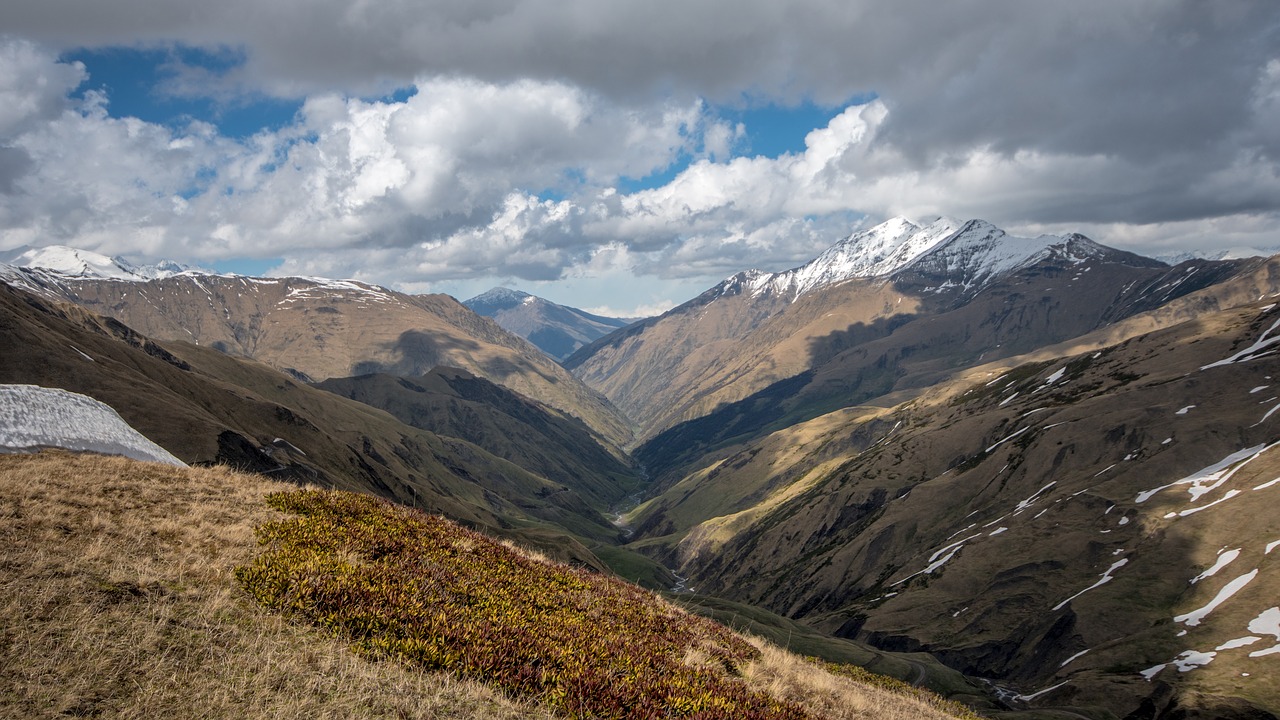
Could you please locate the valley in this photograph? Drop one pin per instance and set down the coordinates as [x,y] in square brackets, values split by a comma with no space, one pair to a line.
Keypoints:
[1034,474]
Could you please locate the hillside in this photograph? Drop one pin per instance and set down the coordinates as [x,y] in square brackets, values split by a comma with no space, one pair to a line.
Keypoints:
[206,407]
[453,402]
[1089,526]
[316,329]
[557,330]
[125,602]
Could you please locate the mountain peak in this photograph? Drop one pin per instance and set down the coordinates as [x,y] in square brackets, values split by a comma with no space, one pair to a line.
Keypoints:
[500,295]
[89,265]
[555,329]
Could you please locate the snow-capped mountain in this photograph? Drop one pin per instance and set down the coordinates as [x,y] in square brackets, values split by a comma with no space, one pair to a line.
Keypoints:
[555,329]
[966,256]
[89,265]
[1237,253]
[980,252]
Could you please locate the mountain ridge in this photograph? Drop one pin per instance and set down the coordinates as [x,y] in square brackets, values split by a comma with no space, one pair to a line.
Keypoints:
[315,328]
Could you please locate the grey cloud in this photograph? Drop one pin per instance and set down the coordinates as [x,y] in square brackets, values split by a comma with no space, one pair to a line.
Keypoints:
[14,163]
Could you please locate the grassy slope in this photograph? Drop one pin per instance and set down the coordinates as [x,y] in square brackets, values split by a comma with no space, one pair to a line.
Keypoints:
[119,600]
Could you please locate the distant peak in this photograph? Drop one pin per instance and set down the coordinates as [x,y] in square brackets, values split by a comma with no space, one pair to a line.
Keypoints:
[499,296]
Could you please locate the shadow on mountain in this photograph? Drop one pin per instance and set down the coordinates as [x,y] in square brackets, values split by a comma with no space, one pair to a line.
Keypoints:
[782,404]
[417,352]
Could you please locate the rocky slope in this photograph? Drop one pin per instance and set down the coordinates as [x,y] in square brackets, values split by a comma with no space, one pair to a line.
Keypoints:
[556,330]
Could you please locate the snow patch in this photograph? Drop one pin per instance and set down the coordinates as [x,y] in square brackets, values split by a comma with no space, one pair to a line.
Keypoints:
[1032,500]
[1073,658]
[1007,439]
[1224,559]
[1184,410]
[940,558]
[1213,476]
[32,417]
[1106,578]
[1192,659]
[1260,348]
[1194,617]
[1238,643]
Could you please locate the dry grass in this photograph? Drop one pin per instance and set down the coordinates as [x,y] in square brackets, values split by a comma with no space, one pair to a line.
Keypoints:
[117,599]
[826,694]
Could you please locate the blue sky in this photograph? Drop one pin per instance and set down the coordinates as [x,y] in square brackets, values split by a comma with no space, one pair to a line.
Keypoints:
[623,156]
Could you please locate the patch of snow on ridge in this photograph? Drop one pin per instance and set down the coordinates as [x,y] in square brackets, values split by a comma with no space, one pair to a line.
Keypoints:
[1213,476]
[1106,578]
[1224,559]
[1260,348]
[32,417]
[1192,659]
[1267,623]
[1238,643]
[1194,617]
[940,558]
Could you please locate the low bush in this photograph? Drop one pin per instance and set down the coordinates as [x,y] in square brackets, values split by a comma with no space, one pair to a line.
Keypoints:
[401,584]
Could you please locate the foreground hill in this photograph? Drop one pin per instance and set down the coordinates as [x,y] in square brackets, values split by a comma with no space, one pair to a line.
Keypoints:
[205,407]
[1091,525]
[316,329]
[124,601]
[556,330]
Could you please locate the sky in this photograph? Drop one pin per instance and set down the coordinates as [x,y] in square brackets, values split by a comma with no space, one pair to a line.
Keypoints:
[623,156]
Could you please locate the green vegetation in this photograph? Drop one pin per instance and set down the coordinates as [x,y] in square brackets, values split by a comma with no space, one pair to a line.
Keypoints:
[402,584]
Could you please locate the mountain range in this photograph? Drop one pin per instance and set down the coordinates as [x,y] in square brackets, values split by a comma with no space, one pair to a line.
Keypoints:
[1042,461]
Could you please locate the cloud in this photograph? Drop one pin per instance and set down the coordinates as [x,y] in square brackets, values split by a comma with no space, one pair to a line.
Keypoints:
[1147,124]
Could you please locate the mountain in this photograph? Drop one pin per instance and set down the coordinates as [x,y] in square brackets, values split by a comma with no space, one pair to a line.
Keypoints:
[205,407]
[557,330]
[1236,253]
[1090,526]
[315,329]
[947,295]
[73,262]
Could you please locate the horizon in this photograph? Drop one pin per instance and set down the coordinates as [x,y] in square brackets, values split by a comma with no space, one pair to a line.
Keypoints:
[244,269]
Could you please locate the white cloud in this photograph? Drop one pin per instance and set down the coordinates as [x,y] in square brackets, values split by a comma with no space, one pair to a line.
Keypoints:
[505,162]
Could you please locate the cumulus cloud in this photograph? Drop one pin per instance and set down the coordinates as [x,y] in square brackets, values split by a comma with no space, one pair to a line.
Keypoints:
[1146,125]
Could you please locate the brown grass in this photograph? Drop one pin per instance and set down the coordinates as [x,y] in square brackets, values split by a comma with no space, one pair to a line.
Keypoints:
[118,599]
[830,695]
